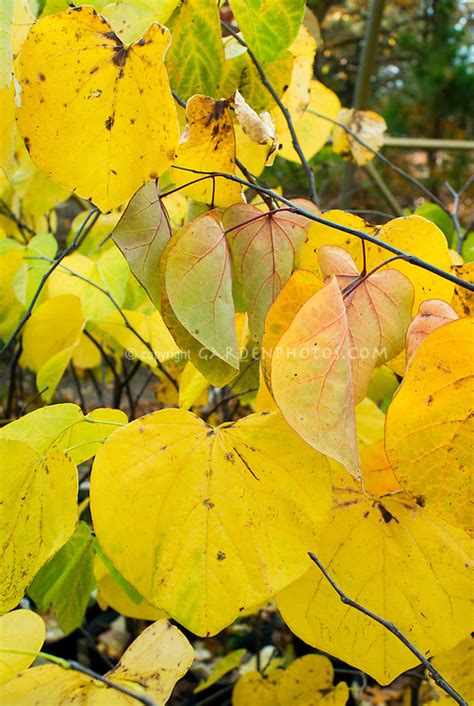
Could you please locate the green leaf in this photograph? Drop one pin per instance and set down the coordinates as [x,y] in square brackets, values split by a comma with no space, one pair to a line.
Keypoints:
[278,73]
[268,27]
[142,234]
[196,58]
[66,582]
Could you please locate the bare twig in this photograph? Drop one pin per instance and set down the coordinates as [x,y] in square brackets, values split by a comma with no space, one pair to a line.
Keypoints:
[78,239]
[388,625]
[412,259]
[286,113]
[408,177]
[455,212]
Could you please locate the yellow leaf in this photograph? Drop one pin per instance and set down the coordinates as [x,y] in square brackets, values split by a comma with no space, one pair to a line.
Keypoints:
[208,145]
[430,430]
[411,234]
[306,682]
[64,426]
[151,665]
[463,299]
[370,422]
[311,377]
[49,339]
[86,355]
[113,595]
[38,496]
[456,668]
[192,387]
[19,630]
[11,258]
[367,125]
[181,533]
[390,556]
[311,130]
[96,115]
[7,129]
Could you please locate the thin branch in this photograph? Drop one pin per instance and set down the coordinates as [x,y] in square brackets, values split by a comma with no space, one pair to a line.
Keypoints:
[412,259]
[408,177]
[455,212]
[286,113]
[78,239]
[388,625]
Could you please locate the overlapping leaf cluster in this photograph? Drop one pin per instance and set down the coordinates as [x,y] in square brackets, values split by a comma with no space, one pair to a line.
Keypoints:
[195,275]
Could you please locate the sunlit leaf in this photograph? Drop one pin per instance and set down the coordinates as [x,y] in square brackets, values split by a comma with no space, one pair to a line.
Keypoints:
[38,496]
[182,533]
[19,630]
[390,556]
[430,429]
[208,145]
[96,115]
[306,682]
[463,299]
[151,665]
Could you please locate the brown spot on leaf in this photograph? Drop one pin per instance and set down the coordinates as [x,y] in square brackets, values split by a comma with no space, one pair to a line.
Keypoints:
[120,56]
[429,401]
[420,500]
[208,504]
[109,122]
[41,76]
[220,556]
[386,514]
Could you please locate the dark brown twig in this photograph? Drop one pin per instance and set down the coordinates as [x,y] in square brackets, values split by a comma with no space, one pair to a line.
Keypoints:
[388,625]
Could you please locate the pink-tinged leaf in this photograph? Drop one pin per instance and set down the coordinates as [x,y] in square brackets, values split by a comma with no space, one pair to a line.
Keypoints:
[378,314]
[311,377]
[197,281]
[296,292]
[263,252]
[432,314]
[142,234]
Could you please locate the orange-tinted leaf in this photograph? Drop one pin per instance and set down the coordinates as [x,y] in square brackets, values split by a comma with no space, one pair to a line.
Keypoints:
[263,252]
[432,314]
[311,377]
[296,292]
[378,314]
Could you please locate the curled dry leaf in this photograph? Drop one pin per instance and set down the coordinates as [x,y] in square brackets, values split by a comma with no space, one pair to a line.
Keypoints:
[184,533]
[432,314]
[259,128]
[142,234]
[263,247]
[368,126]
[96,115]
[429,430]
